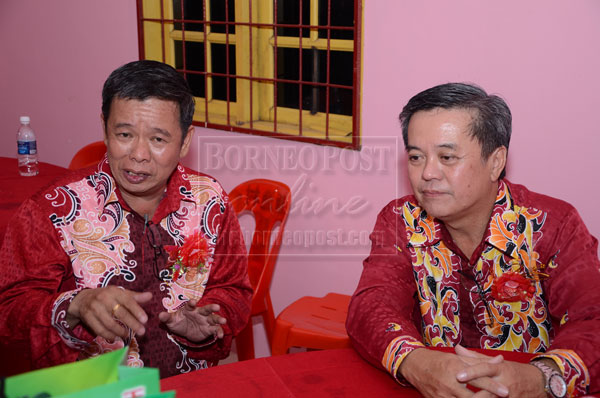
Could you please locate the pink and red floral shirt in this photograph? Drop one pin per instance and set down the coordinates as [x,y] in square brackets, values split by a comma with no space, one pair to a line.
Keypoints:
[79,233]
[418,289]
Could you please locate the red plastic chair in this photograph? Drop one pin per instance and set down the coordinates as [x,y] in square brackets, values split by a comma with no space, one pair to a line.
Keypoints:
[312,322]
[269,202]
[89,155]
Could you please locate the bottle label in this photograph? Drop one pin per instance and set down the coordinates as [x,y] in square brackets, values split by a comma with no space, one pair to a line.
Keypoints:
[27,147]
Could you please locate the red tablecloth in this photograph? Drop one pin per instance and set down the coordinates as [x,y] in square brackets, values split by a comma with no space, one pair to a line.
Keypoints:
[328,373]
[14,189]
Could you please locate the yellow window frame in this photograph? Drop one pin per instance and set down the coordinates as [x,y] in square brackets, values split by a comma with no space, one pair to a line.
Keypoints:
[255,40]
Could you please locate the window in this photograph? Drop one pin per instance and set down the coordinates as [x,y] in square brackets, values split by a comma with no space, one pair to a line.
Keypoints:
[281,68]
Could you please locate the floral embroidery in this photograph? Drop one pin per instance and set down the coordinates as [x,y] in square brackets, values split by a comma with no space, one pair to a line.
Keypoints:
[512,286]
[192,254]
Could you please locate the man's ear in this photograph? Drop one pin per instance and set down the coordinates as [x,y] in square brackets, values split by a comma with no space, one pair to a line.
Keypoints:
[105,139]
[497,161]
[187,141]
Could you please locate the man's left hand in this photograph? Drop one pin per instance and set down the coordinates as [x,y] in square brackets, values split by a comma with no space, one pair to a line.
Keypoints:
[522,380]
[194,323]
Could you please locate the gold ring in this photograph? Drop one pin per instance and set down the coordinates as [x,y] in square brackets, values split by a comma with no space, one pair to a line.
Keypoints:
[114,309]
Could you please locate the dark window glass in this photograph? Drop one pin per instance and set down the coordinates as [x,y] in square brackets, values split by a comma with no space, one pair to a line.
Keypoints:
[197,83]
[314,98]
[219,65]
[314,65]
[192,10]
[340,71]
[342,14]
[287,95]
[288,12]
[287,63]
[314,69]
[217,13]
[194,55]
[194,61]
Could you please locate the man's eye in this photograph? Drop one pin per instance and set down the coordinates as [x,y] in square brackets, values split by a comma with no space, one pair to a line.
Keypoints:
[414,158]
[448,158]
[159,140]
[124,135]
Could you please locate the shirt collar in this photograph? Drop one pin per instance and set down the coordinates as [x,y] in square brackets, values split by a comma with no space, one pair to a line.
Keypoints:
[424,230]
[178,189]
[503,228]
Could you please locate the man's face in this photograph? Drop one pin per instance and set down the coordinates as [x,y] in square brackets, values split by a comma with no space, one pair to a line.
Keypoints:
[144,145]
[447,173]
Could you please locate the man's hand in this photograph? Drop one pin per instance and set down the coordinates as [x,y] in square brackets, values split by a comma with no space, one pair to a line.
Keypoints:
[106,309]
[521,380]
[194,323]
[433,373]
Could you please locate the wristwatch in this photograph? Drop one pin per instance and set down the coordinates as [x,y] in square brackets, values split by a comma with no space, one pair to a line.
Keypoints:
[555,384]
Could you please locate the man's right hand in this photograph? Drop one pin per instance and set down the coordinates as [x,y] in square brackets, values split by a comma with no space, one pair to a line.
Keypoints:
[100,308]
[433,373]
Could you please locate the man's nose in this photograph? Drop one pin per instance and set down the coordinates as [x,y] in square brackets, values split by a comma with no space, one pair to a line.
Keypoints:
[431,170]
[140,150]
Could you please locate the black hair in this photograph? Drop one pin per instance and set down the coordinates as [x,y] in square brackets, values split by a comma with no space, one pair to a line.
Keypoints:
[492,121]
[140,80]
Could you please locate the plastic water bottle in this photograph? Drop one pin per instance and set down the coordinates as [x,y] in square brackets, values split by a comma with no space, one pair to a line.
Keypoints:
[26,149]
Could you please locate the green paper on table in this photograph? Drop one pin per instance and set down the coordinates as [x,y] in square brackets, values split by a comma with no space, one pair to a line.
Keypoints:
[99,377]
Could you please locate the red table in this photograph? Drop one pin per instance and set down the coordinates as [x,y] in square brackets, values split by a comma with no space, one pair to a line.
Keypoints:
[339,373]
[14,189]
[328,373]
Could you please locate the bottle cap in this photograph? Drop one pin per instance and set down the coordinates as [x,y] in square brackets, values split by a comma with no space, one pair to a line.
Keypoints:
[24,119]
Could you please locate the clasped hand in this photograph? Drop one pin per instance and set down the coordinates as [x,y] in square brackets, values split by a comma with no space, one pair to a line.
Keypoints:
[110,311]
[440,374]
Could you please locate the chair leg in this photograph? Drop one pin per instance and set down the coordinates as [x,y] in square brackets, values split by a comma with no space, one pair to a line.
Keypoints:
[245,343]
[269,319]
[280,337]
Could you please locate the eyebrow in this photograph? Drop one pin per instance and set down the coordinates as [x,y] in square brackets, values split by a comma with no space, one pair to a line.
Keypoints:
[446,146]
[156,129]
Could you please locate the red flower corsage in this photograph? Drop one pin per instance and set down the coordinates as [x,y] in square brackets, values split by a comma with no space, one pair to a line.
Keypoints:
[192,254]
[512,286]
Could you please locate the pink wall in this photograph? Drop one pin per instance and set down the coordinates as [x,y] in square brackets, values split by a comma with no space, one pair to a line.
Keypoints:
[540,55]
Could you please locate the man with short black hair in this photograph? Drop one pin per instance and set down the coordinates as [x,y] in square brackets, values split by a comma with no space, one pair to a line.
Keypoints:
[85,264]
[473,260]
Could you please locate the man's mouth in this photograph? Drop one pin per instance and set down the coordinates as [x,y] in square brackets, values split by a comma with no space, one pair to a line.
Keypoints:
[135,177]
[432,193]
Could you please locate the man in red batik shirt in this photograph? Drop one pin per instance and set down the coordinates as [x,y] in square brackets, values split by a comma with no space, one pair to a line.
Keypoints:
[472,260]
[85,267]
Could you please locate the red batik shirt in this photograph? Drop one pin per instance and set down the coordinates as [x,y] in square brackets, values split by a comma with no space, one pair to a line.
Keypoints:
[79,233]
[418,289]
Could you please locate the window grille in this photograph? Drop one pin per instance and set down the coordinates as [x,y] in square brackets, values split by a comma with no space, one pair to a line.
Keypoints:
[282,68]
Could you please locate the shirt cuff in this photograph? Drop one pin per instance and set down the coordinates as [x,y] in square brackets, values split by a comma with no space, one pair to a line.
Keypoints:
[574,371]
[192,345]
[395,353]
[73,337]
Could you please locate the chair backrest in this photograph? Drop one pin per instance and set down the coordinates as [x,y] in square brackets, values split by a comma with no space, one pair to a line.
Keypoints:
[89,155]
[269,202]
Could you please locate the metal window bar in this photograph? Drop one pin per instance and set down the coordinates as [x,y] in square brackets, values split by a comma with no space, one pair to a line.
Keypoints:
[300,85]
[207,67]
[250,60]
[183,46]
[328,70]
[356,75]
[227,79]
[162,29]
[275,13]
